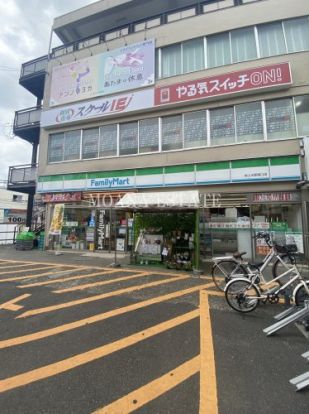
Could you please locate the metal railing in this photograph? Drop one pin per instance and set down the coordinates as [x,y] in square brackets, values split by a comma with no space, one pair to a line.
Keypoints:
[34,66]
[22,175]
[8,233]
[27,117]
[172,15]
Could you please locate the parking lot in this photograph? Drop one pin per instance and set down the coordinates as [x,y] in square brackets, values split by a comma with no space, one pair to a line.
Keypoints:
[82,338]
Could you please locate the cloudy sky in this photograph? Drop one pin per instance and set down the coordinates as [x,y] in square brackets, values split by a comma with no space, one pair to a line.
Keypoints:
[24,35]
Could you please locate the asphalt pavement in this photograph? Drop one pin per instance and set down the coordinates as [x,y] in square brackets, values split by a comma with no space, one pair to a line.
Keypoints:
[78,336]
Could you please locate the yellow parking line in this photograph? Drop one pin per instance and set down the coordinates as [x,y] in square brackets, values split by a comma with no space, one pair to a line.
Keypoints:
[98,297]
[152,390]
[24,270]
[11,304]
[62,280]
[6,343]
[65,365]
[208,383]
[102,283]
[46,263]
[12,279]
[14,266]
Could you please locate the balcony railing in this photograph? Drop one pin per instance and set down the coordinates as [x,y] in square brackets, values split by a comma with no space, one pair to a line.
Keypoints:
[34,66]
[22,176]
[150,22]
[27,117]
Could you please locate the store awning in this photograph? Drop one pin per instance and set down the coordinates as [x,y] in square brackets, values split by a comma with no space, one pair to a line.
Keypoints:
[167,200]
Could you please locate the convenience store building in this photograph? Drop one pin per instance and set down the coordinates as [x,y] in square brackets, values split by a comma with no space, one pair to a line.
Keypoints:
[209,96]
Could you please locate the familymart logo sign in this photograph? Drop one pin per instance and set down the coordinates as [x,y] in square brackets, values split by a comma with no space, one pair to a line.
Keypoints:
[113,182]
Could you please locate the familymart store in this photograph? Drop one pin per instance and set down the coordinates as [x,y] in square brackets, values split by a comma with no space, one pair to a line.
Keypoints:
[228,212]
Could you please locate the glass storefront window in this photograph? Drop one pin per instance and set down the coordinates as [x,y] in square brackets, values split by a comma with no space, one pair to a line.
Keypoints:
[55,147]
[195,130]
[302,114]
[249,122]
[218,50]
[128,138]
[72,145]
[149,135]
[90,143]
[271,39]
[280,119]
[222,126]
[108,141]
[283,221]
[172,133]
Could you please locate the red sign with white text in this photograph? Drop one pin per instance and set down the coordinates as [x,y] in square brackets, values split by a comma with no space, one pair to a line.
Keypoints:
[271,76]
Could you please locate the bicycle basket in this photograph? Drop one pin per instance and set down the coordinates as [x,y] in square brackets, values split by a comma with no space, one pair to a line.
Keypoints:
[288,248]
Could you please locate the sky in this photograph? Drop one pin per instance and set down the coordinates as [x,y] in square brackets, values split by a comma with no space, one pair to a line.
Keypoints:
[24,35]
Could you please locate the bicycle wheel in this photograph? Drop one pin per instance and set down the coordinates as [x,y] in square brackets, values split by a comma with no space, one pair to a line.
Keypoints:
[301,294]
[242,295]
[223,271]
[278,268]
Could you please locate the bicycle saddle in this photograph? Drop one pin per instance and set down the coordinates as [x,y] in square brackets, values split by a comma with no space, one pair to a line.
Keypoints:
[238,255]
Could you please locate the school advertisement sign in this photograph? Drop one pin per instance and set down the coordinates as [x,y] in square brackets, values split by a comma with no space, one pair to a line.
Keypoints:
[270,76]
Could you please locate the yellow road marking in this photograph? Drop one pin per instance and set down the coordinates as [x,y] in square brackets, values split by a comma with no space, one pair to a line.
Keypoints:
[24,270]
[12,279]
[52,264]
[208,384]
[62,280]
[97,297]
[14,266]
[101,283]
[153,389]
[11,304]
[6,343]
[65,365]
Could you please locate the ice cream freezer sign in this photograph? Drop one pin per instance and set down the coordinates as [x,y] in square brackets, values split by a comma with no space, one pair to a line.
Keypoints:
[263,77]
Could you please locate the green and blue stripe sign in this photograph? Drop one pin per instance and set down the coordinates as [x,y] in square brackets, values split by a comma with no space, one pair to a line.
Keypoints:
[250,170]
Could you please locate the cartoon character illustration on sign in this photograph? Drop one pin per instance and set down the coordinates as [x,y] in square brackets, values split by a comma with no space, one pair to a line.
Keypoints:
[125,60]
[77,72]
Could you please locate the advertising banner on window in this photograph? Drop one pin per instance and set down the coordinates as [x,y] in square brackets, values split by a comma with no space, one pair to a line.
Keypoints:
[131,101]
[57,220]
[271,76]
[126,68]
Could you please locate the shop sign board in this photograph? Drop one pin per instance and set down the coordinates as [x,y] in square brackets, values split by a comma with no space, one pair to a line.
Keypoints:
[252,170]
[242,81]
[286,196]
[101,230]
[126,68]
[61,197]
[112,105]
[11,216]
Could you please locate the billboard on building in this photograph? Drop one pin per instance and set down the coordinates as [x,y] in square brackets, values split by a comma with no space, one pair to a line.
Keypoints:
[243,81]
[126,68]
[127,102]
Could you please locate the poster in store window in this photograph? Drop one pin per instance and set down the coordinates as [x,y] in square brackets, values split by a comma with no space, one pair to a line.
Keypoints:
[57,220]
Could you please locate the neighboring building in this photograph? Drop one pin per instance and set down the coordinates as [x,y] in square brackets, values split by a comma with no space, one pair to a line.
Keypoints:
[155,96]
[13,208]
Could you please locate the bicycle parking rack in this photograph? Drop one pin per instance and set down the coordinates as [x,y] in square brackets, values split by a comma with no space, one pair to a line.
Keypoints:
[301,381]
[288,316]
